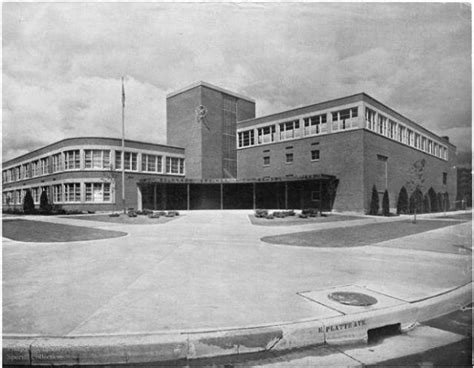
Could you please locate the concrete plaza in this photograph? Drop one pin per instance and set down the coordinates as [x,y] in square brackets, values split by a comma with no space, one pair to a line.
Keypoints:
[208,271]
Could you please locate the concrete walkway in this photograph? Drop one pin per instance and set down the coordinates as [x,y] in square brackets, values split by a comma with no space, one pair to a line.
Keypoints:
[207,271]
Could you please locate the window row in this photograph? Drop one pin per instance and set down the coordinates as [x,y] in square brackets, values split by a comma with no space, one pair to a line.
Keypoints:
[296,128]
[93,160]
[382,125]
[63,193]
[289,157]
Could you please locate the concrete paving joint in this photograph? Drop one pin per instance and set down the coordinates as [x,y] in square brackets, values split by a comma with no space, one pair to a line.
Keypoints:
[160,347]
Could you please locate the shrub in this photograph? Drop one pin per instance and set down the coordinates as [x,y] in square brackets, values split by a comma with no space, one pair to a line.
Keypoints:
[269,217]
[416,201]
[433,200]
[385,204]
[446,199]
[261,213]
[402,204]
[426,203]
[439,197]
[44,207]
[374,202]
[311,212]
[28,203]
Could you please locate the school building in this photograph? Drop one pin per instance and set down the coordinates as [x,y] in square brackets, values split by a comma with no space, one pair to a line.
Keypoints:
[218,155]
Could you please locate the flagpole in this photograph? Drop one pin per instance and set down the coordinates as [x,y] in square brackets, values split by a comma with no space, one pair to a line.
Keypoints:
[123,148]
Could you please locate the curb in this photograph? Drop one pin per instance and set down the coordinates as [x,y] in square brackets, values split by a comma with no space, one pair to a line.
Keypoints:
[162,347]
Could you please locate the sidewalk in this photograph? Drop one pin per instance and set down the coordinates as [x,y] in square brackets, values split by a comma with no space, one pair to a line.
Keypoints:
[205,284]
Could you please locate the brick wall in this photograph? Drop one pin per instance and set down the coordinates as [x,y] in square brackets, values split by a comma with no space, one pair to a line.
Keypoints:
[341,155]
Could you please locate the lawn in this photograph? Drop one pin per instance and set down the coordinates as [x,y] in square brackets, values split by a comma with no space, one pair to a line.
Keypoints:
[124,219]
[295,220]
[46,232]
[357,235]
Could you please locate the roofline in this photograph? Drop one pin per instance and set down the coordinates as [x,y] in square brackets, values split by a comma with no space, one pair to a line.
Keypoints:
[411,121]
[211,86]
[71,138]
[363,96]
[302,107]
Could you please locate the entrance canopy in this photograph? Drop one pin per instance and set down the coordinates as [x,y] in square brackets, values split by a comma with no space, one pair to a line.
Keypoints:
[308,191]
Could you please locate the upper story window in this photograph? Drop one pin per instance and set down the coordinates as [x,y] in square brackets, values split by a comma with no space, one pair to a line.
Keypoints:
[266,134]
[246,138]
[392,129]
[430,146]
[402,134]
[424,145]
[343,119]
[315,125]
[417,141]
[445,178]
[266,160]
[289,130]
[410,137]
[57,162]
[25,171]
[174,165]
[289,158]
[97,159]
[369,119]
[152,163]
[72,160]
[130,160]
[381,124]
[44,166]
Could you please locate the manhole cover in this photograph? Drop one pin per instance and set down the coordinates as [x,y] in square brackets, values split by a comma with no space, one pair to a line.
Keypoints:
[354,299]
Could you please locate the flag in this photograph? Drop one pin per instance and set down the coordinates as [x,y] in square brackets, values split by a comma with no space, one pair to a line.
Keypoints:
[123,94]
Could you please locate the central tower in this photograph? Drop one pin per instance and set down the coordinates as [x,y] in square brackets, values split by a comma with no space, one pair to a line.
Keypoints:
[202,119]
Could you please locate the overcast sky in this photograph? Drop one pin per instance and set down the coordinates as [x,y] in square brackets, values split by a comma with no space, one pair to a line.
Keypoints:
[62,63]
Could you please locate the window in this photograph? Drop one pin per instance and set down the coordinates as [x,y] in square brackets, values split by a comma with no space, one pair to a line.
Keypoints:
[436,149]
[445,178]
[35,193]
[315,196]
[57,193]
[417,141]
[57,162]
[97,159]
[266,134]
[402,134]
[381,124]
[343,119]
[392,131]
[314,155]
[430,146]
[315,125]
[289,130]
[97,192]
[410,137]
[130,160]
[246,138]
[424,145]
[369,119]
[174,165]
[151,163]
[25,171]
[289,158]
[72,160]
[266,160]
[72,192]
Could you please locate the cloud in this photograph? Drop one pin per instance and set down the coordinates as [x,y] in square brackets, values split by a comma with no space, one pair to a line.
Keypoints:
[62,62]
